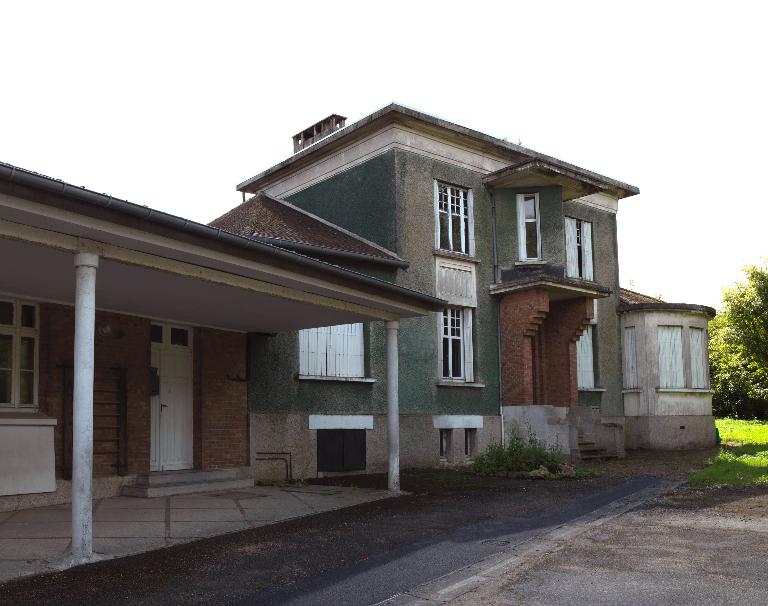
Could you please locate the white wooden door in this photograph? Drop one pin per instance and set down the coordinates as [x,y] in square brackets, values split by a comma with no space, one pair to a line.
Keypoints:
[171,405]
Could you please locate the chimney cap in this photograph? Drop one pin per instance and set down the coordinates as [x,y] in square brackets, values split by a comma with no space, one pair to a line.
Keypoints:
[317,131]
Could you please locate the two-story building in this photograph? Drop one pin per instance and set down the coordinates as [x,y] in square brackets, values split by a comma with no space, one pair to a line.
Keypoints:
[522,246]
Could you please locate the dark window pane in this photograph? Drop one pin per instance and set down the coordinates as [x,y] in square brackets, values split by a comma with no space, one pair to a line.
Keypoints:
[28,316]
[530,207]
[456,227]
[6,313]
[446,357]
[156,333]
[6,351]
[531,241]
[466,235]
[27,358]
[5,386]
[456,358]
[26,388]
[444,231]
[179,336]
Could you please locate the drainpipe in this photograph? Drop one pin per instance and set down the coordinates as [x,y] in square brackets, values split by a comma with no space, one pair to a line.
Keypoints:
[393,408]
[498,307]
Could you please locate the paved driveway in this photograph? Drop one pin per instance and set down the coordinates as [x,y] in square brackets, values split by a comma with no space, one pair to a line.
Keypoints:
[35,540]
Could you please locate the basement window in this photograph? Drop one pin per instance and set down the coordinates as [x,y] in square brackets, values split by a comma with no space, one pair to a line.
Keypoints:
[18,354]
[340,450]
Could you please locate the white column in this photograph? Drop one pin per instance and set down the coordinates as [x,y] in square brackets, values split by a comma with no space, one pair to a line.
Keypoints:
[393,407]
[82,406]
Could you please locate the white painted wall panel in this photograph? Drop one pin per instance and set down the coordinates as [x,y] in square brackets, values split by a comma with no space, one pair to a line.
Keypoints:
[456,282]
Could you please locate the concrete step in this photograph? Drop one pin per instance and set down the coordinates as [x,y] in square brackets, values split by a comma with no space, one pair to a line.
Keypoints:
[186,476]
[164,490]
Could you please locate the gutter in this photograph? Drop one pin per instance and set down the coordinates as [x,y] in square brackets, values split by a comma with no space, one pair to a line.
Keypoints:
[13,174]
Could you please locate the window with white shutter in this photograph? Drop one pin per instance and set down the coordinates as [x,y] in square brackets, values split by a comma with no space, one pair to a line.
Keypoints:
[332,351]
[585,359]
[630,358]
[699,374]
[528,227]
[671,375]
[578,249]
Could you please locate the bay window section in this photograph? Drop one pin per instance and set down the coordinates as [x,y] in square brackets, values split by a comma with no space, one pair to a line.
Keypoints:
[18,354]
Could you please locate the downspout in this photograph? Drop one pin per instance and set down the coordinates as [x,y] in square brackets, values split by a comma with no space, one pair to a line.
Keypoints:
[498,306]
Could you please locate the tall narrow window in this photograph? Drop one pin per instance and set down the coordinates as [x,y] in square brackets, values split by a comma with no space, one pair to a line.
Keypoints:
[578,249]
[671,357]
[529,229]
[630,358]
[445,443]
[585,359]
[698,358]
[18,354]
[454,220]
[332,351]
[457,344]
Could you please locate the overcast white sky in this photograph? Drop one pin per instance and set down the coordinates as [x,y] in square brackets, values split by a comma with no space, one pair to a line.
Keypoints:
[172,104]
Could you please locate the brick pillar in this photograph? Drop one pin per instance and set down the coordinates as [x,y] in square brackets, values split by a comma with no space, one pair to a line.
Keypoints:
[561,329]
[522,313]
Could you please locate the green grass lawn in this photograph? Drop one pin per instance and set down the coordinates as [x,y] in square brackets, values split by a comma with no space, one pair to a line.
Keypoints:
[743,457]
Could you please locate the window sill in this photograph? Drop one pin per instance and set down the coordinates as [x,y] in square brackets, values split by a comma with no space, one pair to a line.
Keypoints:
[459,384]
[451,254]
[632,390]
[10,416]
[336,379]
[683,390]
[531,263]
[592,389]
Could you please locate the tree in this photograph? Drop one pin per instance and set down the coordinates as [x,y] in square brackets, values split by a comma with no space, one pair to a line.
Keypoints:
[739,348]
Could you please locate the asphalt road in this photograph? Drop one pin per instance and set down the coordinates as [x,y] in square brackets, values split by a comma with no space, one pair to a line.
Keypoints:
[360,555]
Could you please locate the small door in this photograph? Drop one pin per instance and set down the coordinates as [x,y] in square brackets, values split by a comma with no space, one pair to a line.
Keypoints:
[171,400]
[341,450]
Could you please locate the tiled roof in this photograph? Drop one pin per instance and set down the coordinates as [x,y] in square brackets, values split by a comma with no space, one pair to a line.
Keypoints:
[263,217]
[630,297]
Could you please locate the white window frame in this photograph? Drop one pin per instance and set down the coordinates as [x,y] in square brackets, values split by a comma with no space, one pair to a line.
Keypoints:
[466,348]
[578,236]
[467,240]
[521,222]
[339,351]
[16,331]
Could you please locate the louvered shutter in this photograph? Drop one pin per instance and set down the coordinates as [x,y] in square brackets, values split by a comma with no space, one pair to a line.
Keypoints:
[630,358]
[698,359]
[671,357]
[585,360]
[586,250]
[571,254]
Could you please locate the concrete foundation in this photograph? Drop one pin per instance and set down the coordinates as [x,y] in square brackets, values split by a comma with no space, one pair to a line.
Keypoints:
[280,439]
[673,432]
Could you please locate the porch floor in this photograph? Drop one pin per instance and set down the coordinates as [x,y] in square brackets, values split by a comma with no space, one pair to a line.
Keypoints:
[34,541]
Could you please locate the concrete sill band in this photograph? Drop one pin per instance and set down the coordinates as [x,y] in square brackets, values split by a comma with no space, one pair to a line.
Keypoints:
[449,254]
[459,384]
[338,379]
[25,418]
[592,389]
[682,390]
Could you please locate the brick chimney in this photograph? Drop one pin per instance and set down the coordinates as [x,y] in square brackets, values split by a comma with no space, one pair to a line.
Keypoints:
[317,131]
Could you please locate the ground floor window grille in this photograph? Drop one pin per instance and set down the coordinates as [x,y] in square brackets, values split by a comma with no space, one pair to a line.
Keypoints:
[332,351]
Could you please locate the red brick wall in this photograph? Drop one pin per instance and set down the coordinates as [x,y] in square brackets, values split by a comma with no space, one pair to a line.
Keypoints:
[521,314]
[125,346]
[560,331]
[221,399]
[538,347]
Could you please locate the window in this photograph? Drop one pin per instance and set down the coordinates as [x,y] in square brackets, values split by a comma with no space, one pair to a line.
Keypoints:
[630,358]
[445,443]
[470,439]
[578,249]
[528,227]
[671,357]
[699,374]
[341,450]
[456,351]
[585,359]
[332,351]
[453,206]
[18,354]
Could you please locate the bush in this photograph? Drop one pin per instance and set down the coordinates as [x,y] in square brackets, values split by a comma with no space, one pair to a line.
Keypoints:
[518,456]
